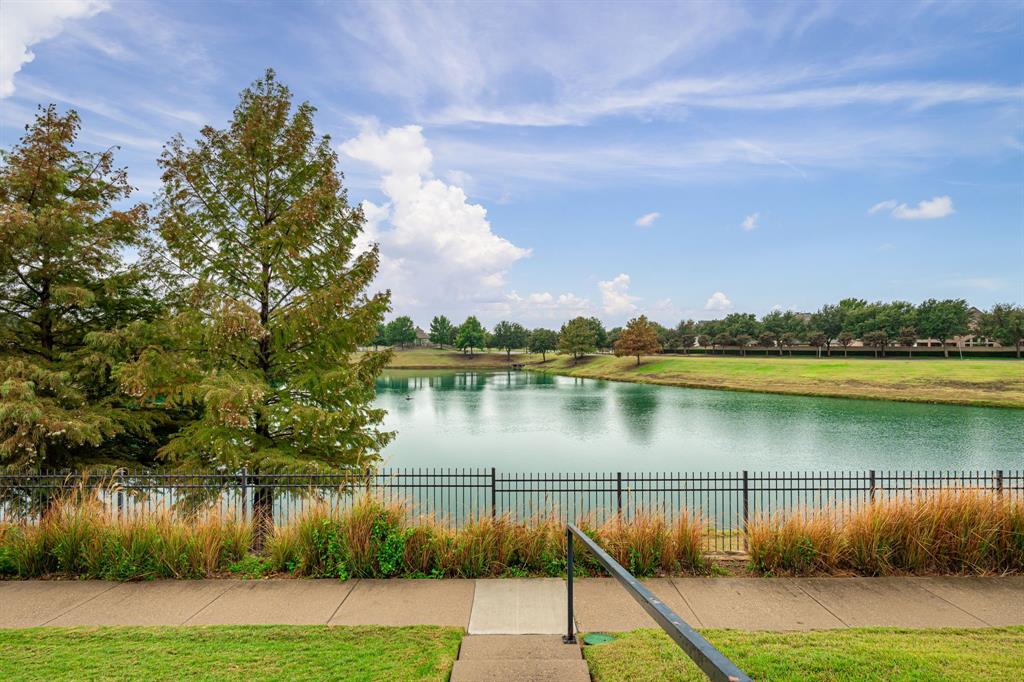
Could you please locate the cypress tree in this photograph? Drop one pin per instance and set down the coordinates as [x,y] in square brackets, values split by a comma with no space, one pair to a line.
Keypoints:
[269,299]
[63,280]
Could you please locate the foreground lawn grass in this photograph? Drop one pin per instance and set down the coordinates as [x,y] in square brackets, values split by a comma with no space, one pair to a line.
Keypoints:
[998,383]
[861,654]
[229,652]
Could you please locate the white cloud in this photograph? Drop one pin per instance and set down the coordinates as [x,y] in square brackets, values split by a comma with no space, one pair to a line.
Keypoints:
[647,219]
[887,205]
[718,301]
[541,306]
[750,222]
[437,248]
[615,298]
[23,24]
[929,209]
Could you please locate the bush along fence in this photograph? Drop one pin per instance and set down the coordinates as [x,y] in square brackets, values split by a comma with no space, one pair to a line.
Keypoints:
[727,503]
[961,531]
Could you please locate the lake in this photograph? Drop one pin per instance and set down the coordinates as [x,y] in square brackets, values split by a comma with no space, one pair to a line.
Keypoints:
[523,421]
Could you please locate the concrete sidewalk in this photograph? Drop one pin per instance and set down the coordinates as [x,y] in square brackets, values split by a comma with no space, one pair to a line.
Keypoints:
[521,605]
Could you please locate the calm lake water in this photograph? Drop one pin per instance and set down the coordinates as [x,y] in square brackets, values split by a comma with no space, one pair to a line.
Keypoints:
[521,421]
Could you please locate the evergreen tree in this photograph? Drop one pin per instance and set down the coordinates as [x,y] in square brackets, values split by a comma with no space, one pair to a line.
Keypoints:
[271,301]
[829,321]
[943,320]
[686,335]
[400,331]
[471,335]
[600,335]
[62,280]
[543,340]
[577,337]
[509,335]
[441,331]
[640,337]
[1005,324]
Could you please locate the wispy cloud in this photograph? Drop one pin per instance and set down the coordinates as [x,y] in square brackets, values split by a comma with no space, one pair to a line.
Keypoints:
[750,222]
[928,209]
[647,219]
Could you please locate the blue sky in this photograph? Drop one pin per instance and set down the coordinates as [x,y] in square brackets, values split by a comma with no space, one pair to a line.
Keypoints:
[535,161]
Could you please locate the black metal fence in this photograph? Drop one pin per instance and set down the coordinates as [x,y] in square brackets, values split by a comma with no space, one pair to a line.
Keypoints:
[725,500]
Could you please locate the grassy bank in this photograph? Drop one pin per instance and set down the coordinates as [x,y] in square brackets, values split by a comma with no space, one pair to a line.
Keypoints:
[229,652]
[961,533]
[994,383]
[433,358]
[860,654]
[997,383]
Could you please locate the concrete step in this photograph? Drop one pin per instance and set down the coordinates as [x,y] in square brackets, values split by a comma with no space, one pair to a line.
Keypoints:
[520,671]
[517,648]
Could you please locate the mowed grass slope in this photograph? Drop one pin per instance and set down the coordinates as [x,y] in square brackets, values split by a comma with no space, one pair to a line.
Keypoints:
[229,653]
[857,655]
[433,358]
[997,383]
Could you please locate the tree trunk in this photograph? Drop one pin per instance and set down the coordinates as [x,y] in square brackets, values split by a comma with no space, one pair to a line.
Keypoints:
[828,349]
[945,348]
[262,513]
[638,361]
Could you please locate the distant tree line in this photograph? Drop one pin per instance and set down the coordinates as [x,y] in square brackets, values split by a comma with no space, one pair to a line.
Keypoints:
[879,325]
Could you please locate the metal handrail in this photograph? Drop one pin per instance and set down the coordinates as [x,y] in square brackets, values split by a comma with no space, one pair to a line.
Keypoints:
[710,660]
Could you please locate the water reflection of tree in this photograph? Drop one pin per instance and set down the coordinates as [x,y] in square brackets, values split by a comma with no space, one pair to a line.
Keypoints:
[585,409]
[638,407]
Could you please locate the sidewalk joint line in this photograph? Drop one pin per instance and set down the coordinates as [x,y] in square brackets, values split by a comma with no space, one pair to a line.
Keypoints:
[198,611]
[64,613]
[672,582]
[355,584]
[827,609]
[923,587]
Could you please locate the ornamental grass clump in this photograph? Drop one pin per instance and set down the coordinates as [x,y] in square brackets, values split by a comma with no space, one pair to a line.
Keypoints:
[942,532]
[802,543]
[950,531]
[78,537]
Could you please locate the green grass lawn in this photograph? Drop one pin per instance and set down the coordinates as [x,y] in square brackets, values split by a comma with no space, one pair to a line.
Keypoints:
[995,383]
[863,654]
[229,652]
[966,382]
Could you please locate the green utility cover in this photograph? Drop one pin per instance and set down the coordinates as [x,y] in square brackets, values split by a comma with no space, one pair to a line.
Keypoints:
[597,638]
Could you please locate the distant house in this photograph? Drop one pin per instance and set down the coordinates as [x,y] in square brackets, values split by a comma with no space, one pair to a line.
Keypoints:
[422,338]
[969,340]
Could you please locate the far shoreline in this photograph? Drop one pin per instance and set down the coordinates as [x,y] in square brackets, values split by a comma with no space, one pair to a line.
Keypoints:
[970,383]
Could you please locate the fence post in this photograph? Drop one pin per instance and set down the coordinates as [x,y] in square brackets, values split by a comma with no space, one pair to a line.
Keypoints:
[120,493]
[999,482]
[245,494]
[746,506]
[570,634]
[494,495]
[618,492]
[871,478]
